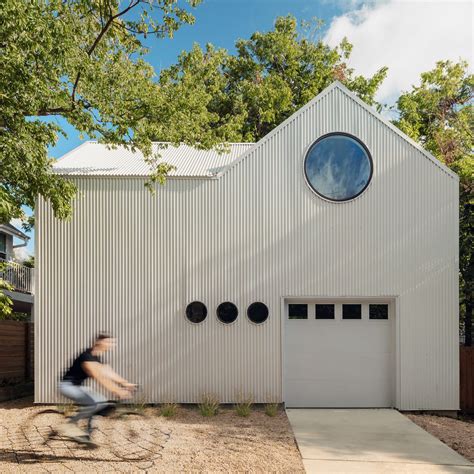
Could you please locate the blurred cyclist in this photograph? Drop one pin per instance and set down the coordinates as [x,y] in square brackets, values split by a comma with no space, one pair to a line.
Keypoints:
[88,364]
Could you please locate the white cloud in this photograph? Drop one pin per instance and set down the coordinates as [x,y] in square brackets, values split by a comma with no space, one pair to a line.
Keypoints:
[407,36]
[21,254]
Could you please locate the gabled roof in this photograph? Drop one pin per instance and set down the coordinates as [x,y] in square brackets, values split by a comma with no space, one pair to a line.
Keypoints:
[343,89]
[95,159]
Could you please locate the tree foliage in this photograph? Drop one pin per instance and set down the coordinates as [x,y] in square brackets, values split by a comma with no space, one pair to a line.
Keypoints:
[5,300]
[270,76]
[81,60]
[439,113]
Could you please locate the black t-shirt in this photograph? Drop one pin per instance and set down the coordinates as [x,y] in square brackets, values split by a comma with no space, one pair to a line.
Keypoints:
[76,373]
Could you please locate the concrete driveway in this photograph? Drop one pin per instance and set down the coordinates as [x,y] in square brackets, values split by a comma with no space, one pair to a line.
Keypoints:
[369,441]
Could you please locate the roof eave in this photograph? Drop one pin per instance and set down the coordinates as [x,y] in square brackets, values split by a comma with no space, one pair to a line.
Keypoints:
[136,176]
[12,230]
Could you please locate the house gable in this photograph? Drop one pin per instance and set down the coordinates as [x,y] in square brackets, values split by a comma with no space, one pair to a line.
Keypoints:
[344,93]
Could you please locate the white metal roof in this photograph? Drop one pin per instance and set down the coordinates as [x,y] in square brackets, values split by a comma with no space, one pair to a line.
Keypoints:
[96,159]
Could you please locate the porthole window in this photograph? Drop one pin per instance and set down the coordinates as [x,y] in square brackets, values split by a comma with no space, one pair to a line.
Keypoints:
[196,312]
[257,312]
[338,167]
[227,312]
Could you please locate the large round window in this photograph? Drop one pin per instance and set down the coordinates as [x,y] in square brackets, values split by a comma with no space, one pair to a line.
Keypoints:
[338,167]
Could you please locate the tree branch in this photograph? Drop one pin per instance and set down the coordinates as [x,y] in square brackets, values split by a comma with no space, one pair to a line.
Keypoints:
[158,31]
[58,110]
[103,31]
[54,111]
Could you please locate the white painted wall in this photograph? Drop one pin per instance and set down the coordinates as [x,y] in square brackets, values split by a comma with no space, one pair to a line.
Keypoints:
[130,262]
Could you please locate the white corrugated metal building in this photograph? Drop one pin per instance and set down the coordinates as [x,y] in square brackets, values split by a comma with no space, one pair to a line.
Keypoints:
[340,227]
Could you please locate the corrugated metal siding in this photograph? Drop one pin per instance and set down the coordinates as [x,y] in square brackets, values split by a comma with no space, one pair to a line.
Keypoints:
[96,159]
[131,262]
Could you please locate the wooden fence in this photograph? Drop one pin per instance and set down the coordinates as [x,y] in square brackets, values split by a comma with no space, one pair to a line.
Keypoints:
[16,350]
[467,378]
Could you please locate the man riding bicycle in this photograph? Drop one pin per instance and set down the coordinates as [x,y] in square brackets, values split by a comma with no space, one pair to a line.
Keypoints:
[88,364]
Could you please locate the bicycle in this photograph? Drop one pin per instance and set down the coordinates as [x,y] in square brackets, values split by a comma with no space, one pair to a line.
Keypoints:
[119,428]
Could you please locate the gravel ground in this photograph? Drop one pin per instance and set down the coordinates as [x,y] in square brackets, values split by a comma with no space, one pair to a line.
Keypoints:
[186,442]
[456,433]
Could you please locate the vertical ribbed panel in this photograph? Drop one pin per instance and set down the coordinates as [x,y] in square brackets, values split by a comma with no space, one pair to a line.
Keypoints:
[130,262]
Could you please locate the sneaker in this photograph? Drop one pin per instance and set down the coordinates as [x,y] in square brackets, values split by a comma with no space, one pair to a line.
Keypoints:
[70,430]
[85,440]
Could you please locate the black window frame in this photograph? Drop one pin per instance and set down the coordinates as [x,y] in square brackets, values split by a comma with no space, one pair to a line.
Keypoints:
[230,305]
[261,306]
[324,318]
[351,305]
[297,304]
[189,309]
[364,147]
[376,318]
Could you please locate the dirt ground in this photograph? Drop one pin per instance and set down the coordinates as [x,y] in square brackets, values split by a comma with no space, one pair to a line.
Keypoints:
[184,443]
[456,433]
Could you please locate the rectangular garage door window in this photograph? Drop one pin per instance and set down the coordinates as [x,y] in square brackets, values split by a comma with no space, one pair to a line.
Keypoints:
[324,311]
[298,311]
[378,311]
[351,311]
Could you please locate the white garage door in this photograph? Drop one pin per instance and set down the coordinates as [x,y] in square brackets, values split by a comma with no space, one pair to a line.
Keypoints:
[339,354]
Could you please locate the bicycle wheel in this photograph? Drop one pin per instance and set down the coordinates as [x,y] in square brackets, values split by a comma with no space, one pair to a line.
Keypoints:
[130,435]
[38,430]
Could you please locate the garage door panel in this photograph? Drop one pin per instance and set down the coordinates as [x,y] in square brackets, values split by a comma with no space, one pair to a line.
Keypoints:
[369,349]
[338,363]
[363,367]
[372,348]
[336,394]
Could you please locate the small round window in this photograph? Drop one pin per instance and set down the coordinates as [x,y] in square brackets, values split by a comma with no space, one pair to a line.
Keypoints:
[227,312]
[257,313]
[338,167]
[196,312]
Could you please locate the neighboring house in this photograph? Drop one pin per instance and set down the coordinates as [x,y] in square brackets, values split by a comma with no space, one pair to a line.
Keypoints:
[318,267]
[19,276]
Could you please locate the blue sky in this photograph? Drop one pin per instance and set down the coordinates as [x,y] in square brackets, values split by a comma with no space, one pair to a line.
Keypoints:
[401,34]
[220,22]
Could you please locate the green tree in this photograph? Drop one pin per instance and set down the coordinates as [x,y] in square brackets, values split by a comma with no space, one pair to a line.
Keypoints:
[271,76]
[439,114]
[5,300]
[82,60]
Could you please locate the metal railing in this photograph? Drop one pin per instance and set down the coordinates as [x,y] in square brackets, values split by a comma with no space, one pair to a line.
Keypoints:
[22,278]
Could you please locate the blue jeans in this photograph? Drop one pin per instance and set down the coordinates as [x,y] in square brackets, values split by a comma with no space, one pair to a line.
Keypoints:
[89,401]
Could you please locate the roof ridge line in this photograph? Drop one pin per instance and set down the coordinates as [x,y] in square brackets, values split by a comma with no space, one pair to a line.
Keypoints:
[399,132]
[279,127]
[171,143]
[338,85]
